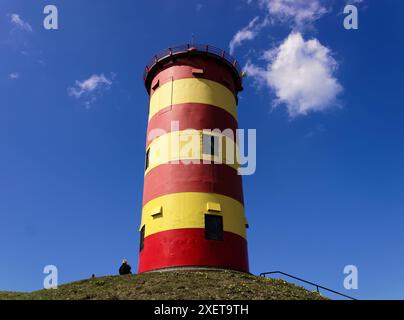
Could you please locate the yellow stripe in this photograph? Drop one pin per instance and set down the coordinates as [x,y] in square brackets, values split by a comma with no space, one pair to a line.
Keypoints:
[187,210]
[187,145]
[192,90]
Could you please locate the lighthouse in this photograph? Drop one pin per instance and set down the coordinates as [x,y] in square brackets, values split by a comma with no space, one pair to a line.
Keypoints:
[193,209]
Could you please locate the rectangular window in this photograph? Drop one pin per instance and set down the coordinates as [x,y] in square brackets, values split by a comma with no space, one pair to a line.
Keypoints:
[147,159]
[213,227]
[197,71]
[155,85]
[210,145]
[166,108]
[141,241]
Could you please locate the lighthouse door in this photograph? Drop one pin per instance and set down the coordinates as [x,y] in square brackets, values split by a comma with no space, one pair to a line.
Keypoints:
[213,227]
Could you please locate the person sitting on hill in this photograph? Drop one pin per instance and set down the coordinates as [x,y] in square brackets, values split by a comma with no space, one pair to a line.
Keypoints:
[125,268]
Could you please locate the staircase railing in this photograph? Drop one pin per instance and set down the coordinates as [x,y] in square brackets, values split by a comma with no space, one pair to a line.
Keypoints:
[318,287]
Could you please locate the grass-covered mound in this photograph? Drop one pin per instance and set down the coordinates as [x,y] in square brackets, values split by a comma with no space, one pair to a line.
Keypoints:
[175,285]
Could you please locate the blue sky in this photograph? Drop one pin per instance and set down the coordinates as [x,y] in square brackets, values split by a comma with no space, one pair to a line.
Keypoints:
[328,190]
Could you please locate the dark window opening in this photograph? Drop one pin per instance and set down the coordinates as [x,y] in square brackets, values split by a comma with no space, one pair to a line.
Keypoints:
[141,242]
[155,85]
[147,159]
[213,227]
[210,145]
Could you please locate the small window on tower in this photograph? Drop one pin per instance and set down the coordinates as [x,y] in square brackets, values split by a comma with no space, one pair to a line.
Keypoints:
[210,145]
[213,227]
[141,241]
[155,85]
[197,71]
[147,159]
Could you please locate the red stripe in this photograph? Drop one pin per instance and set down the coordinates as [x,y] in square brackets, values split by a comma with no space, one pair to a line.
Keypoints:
[180,177]
[182,68]
[188,247]
[196,116]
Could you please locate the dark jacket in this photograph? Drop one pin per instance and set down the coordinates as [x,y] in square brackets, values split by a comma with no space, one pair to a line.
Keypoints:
[125,269]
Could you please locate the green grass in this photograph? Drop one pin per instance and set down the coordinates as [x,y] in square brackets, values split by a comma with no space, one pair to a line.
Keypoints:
[176,285]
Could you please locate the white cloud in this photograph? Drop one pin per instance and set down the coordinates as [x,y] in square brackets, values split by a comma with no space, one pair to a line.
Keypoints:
[20,23]
[300,12]
[301,74]
[90,87]
[354,1]
[247,33]
[14,75]
[96,81]
[199,6]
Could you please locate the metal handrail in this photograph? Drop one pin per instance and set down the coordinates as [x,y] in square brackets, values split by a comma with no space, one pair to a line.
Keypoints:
[187,48]
[318,287]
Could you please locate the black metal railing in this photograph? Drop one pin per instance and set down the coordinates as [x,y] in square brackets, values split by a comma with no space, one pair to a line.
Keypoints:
[186,48]
[318,287]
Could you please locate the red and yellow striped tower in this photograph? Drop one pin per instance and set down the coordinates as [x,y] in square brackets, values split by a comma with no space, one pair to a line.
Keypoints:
[193,212]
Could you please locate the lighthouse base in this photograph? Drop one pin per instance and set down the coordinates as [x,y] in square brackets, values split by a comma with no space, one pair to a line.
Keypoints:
[188,248]
[193,268]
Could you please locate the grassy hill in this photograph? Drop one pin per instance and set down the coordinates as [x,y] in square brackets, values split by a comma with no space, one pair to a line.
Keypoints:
[174,285]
